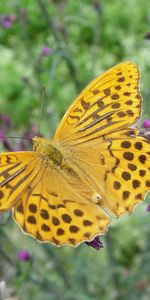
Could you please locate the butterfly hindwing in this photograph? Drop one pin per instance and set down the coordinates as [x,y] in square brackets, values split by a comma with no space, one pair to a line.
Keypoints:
[128,181]
[52,210]
[119,166]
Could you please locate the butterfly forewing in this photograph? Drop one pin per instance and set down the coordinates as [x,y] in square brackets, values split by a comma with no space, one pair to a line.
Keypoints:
[16,171]
[109,103]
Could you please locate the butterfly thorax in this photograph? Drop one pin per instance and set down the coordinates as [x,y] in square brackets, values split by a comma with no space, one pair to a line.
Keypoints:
[54,155]
[48,151]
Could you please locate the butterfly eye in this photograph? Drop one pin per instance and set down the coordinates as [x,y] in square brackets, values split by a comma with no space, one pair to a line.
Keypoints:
[34,147]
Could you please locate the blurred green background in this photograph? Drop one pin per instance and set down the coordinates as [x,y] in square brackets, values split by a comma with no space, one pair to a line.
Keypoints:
[62,45]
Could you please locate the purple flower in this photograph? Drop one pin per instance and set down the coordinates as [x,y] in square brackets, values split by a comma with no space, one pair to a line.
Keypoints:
[23,255]
[148,208]
[11,18]
[95,243]
[146,123]
[5,23]
[46,51]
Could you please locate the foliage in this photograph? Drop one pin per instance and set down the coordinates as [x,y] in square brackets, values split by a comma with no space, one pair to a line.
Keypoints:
[62,45]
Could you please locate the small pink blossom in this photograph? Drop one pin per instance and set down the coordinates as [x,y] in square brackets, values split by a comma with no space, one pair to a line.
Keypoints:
[146,123]
[5,23]
[24,255]
[46,51]
[11,18]
[95,243]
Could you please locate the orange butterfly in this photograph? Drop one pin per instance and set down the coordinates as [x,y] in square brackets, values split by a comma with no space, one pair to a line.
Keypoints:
[66,190]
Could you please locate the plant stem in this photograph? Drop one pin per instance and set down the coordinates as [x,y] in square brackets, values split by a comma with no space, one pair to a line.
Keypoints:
[113,264]
[60,43]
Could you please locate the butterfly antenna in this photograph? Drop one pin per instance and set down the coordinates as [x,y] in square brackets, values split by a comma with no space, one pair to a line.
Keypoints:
[15,137]
[41,108]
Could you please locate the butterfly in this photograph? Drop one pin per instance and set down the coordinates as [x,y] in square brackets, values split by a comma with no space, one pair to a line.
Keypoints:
[97,165]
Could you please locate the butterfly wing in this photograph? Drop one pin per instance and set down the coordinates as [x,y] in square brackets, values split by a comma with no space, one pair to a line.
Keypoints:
[119,167]
[16,171]
[53,209]
[116,160]
[46,203]
[107,104]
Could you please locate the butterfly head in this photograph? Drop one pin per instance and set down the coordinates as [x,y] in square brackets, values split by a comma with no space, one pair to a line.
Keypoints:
[39,143]
[42,145]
